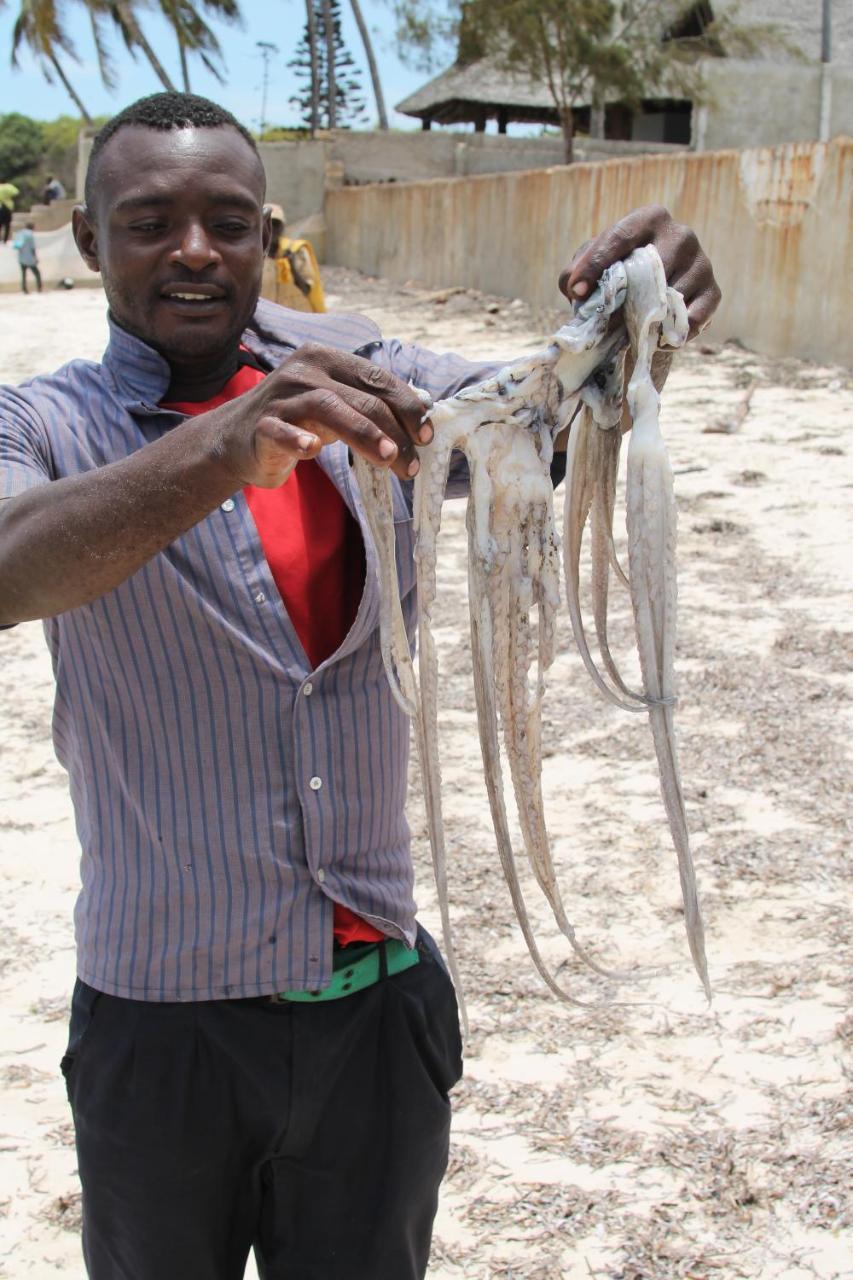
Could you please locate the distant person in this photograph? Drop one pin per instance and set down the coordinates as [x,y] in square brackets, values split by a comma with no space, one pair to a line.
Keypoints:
[25,243]
[7,207]
[53,190]
[291,273]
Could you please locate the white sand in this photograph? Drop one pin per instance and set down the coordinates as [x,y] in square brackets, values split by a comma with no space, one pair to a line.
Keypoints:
[661,1140]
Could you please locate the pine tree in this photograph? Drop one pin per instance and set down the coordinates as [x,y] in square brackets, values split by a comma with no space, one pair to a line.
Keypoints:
[349,101]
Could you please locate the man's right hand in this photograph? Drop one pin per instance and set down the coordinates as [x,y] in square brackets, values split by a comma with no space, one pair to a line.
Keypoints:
[68,542]
[315,396]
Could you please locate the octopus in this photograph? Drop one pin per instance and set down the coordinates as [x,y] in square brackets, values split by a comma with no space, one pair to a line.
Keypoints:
[507,427]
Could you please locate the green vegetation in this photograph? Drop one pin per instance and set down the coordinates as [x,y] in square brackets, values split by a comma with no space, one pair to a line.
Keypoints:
[331,96]
[32,149]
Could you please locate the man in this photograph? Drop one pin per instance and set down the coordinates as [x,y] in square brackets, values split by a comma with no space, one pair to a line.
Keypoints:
[291,271]
[25,245]
[262,1040]
[53,190]
[8,192]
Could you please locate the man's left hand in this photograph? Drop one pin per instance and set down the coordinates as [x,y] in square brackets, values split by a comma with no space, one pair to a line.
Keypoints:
[688,268]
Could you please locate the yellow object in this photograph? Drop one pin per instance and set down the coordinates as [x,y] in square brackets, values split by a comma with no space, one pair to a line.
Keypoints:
[292,277]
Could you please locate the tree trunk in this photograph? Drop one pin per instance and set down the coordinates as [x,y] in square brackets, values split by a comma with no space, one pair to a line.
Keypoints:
[371,63]
[139,38]
[331,82]
[596,115]
[54,62]
[185,73]
[315,66]
[567,124]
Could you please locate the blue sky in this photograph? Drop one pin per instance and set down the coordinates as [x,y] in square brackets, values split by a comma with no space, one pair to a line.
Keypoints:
[26,90]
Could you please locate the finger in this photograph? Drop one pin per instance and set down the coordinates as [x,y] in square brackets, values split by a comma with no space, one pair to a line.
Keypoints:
[379,412]
[702,308]
[576,256]
[642,226]
[330,415]
[693,277]
[404,402]
[278,446]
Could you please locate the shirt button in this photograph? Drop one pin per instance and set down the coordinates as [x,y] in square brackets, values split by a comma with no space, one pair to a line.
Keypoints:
[260,598]
[316,783]
[229,504]
[321,876]
[308,688]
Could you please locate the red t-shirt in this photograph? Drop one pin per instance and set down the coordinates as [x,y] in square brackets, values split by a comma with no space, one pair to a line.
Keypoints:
[315,552]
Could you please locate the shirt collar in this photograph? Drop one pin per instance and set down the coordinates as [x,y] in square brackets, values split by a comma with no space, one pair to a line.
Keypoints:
[141,375]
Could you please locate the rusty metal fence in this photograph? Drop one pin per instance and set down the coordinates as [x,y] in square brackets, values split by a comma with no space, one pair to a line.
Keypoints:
[778,224]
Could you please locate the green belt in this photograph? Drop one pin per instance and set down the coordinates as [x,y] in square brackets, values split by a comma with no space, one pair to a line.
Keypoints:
[359,969]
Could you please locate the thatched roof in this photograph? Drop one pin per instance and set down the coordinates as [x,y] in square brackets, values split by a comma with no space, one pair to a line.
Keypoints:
[478,89]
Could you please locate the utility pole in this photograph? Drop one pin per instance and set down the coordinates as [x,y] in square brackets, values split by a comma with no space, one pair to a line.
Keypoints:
[268,52]
[824,128]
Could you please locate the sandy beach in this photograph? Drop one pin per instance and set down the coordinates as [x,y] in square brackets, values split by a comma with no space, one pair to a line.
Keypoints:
[654,1137]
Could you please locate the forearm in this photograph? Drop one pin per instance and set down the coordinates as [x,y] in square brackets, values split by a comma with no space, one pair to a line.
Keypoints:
[66,543]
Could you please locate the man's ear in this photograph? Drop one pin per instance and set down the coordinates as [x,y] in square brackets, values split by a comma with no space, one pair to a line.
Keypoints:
[85,236]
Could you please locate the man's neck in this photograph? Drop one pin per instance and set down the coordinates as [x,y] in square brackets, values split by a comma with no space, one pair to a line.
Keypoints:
[201,381]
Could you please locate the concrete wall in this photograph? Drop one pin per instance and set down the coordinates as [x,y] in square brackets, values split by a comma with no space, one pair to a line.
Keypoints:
[799,21]
[298,172]
[47,217]
[296,176]
[763,103]
[776,224]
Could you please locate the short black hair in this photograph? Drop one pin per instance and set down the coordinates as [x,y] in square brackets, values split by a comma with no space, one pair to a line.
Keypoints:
[163,111]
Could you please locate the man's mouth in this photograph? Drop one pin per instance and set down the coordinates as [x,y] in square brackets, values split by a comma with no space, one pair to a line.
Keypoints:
[202,297]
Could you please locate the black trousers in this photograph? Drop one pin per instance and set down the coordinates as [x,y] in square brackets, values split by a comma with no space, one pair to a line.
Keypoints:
[315,1133]
[24,269]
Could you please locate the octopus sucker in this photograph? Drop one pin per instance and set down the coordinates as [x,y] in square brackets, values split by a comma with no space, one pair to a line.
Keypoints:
[506,426]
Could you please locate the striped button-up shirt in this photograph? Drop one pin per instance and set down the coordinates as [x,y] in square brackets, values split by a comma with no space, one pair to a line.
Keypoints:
[226,794]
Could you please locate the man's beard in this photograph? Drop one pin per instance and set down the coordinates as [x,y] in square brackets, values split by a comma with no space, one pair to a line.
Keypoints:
[195,342]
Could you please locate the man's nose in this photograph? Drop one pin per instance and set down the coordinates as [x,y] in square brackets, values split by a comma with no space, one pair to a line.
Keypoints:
[195,250]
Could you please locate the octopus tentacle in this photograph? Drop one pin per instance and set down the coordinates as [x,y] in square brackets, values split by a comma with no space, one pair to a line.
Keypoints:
[581,482]
[651,520]
[428,501]
[482,632]
[606,444]
[375,486]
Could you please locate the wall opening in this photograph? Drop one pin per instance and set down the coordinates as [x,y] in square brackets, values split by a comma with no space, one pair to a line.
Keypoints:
[663,120]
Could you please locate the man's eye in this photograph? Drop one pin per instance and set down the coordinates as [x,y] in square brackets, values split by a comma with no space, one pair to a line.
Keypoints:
[149,227]
[233,228]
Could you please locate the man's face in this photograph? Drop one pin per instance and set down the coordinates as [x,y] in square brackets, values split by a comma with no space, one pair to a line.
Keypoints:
[178,235]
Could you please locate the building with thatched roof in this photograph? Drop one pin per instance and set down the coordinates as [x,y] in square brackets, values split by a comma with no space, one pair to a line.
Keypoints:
[798,95]
[478,92]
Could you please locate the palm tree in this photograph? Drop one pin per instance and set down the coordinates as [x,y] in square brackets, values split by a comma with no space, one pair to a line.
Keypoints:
[123,15]
[371,63]
[39,27]
[194,35]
